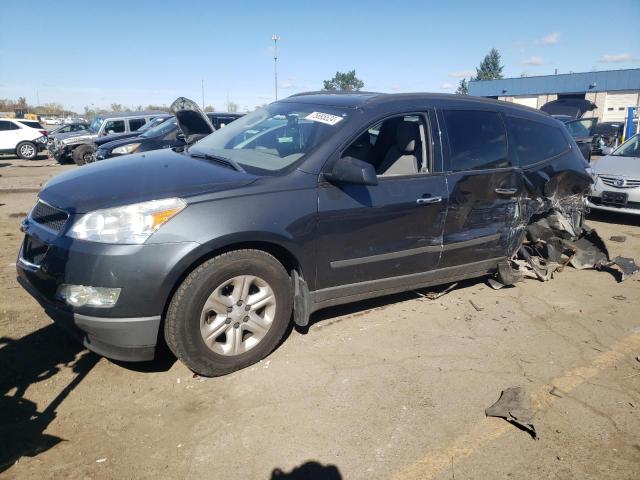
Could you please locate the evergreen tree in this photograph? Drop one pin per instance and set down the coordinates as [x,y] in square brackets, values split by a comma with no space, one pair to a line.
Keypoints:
[463,87]
[490,68]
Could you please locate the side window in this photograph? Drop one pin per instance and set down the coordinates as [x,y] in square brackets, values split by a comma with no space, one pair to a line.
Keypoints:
[113,126]
[4,125]
[394,146]
[533,141]
[477,139]
[135,124]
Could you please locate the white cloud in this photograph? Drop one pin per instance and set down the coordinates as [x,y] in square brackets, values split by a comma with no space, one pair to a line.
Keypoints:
[618,58]
[446,86]
[535,61]
[550,39]
[462,74]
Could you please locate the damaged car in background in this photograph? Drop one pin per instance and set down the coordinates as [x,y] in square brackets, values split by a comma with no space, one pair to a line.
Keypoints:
[316,200]
[188,117]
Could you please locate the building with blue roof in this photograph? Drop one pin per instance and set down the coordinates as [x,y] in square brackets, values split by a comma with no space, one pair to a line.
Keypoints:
[612,91]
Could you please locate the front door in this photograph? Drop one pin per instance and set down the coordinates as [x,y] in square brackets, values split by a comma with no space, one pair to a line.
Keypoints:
[392,229]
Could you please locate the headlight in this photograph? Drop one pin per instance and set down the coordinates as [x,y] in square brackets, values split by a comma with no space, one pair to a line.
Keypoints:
[132,147]
[130,224]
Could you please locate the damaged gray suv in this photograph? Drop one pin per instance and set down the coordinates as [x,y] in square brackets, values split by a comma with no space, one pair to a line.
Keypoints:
[315,200]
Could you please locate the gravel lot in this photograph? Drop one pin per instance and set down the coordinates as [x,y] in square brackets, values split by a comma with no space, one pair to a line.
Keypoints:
[390,388]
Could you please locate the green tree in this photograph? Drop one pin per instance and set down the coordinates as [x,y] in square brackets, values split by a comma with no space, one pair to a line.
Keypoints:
[232,107]
[209,108]
[490,68]
[463,87]
[346,82]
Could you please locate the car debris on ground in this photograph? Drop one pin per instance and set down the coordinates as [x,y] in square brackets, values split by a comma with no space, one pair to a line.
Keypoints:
[552,242]
[513,405]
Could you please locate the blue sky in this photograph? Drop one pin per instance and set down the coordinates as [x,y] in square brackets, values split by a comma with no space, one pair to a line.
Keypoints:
[138,52]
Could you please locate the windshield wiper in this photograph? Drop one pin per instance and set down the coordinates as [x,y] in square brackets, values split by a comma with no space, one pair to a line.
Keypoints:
[216,158]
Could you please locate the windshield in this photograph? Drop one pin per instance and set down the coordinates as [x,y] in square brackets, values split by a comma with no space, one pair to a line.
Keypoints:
[167,126]
[630,148]
[95,125]
[151,123]
[273,137]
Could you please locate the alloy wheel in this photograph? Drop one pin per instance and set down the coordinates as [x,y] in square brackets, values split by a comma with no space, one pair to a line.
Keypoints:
[237,315]
[27,151]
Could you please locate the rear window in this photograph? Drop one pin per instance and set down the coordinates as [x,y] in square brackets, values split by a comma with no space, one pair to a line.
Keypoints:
[136,123]
[477,139]
[31,123]
[533,141]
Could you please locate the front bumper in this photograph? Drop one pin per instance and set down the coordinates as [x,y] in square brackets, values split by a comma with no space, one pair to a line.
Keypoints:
[58,151]
[597,198]
[126,339]
[146,274]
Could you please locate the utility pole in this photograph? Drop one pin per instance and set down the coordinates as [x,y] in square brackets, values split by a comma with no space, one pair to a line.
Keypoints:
[275,39]
[202,93]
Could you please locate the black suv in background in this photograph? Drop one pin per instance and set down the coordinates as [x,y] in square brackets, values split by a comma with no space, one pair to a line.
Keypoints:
[165,135]
[315,200]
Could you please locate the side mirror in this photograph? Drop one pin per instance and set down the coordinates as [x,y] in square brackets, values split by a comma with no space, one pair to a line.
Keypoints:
[180,136]
[349,170]
[607,150]
[110,132]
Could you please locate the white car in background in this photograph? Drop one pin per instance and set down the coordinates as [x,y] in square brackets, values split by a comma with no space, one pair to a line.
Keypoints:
[22,137]
[616,178]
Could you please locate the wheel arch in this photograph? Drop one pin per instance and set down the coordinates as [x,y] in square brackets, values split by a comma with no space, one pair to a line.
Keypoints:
[281,253]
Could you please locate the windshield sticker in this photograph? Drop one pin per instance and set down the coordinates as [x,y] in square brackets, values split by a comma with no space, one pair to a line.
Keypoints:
[285,139]
[326,118]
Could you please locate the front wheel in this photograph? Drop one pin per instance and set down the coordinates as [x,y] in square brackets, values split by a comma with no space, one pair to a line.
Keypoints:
[27,150]
[83,154]
[230,312]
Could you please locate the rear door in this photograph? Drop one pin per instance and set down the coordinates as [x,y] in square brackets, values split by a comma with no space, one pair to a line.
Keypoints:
[10,135]
[483,187]
[392,229]
[136,123]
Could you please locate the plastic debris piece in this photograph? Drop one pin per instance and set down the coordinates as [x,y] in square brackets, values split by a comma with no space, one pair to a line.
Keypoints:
[513,405]
[435,295]
[618,238]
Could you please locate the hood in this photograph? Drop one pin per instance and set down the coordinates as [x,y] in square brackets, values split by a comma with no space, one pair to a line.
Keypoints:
[119,142]
[571,107]
[617,165]
[138,178]
[80,135]
[191,119]
[115,136]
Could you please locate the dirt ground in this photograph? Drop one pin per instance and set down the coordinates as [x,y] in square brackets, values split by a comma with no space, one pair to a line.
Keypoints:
[390,388]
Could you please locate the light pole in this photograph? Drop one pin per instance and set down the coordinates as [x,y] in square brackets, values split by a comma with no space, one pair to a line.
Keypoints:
[202,84]
[275,39]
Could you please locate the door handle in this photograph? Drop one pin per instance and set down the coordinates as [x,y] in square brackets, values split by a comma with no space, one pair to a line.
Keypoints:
[506,191]
[428,200]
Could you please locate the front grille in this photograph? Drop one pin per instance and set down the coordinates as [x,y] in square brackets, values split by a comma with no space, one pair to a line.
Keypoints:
[620,182]
[48,216]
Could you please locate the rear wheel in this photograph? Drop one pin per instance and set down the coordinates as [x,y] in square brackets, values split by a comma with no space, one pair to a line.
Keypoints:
[230,312]
[83,154]
[27,150]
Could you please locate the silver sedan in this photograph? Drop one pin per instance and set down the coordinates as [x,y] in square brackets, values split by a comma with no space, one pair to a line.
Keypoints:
[616,178]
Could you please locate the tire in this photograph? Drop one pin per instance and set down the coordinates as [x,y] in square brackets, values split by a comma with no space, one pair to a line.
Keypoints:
[188,318]
[27,150]
[83,154]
